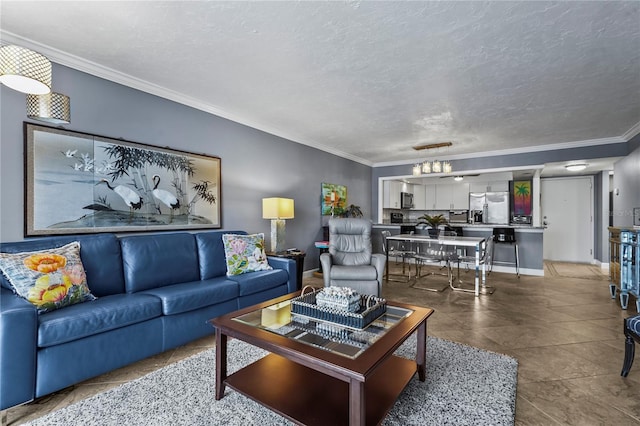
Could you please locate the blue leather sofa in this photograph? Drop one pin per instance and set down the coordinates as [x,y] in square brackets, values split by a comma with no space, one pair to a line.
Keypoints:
[154,293]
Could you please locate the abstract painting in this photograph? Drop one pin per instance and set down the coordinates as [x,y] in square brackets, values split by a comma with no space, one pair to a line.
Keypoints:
[334,199]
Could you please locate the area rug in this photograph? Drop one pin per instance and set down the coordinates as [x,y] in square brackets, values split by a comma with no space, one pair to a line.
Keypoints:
[575,270]
[464,386]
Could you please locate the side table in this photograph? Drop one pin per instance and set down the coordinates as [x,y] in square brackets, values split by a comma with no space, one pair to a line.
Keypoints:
[298,256]
[323,246]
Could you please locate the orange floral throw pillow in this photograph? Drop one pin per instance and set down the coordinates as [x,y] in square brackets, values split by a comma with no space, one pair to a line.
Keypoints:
[50,279]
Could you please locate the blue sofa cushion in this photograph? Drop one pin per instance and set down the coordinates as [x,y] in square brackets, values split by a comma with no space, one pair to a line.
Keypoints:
[211,253]
[104,314]
[100,256]
[185,297]
[255,282]
[152,261]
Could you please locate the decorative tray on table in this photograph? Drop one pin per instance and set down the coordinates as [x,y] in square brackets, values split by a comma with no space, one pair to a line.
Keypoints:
[357,311]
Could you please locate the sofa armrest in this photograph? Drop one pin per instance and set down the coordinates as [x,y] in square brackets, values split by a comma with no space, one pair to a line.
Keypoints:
[288,265]
[18,346]
[325,261]
[379,262]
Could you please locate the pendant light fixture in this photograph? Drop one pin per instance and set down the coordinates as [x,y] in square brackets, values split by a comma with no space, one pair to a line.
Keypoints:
[52,108]
[25,70]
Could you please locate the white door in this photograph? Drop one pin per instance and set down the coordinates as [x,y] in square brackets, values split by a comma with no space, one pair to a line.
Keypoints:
[567,213]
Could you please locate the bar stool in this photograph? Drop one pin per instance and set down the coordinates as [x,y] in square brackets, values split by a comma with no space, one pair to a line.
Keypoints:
[507,236]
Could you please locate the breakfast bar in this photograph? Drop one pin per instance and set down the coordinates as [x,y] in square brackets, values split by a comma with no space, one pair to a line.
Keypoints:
[478,243]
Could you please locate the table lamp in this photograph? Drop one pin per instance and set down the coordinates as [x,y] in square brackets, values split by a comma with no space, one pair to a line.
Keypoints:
[277,209]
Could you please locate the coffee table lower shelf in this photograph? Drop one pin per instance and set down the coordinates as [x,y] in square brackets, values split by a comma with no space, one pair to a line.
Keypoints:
[308,397]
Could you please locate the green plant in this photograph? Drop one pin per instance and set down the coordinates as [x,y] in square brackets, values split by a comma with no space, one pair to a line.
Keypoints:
[433,221]
[352,211]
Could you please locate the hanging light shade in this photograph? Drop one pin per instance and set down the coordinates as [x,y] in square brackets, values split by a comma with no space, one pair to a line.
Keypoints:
[446,167]
[426,167]
[52,107]
[417,170]
[437,166]
[25,70]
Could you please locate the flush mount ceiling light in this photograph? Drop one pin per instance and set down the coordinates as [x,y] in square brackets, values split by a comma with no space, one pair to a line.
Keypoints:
[52,108]
[25,70]
[576,167]
[458,178]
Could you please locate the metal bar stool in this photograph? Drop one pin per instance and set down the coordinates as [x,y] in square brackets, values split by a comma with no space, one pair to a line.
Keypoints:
[508,236]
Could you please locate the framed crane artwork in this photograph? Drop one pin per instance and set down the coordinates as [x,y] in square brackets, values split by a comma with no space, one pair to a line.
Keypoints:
[78,183]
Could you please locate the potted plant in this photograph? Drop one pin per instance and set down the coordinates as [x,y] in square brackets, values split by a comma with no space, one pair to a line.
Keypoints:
[434,222]
[352,211]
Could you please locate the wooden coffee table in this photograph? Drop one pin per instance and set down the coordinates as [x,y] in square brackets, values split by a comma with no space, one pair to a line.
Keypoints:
[318,373]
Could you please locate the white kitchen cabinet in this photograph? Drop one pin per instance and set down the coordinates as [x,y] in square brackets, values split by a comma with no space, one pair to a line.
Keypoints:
[490,186]
[460,196]
[430,197]
[443,197]
[391,194]
[498,186]
[419,197]
[452,196]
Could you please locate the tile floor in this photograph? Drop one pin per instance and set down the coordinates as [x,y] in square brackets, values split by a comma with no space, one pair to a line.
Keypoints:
[566,333]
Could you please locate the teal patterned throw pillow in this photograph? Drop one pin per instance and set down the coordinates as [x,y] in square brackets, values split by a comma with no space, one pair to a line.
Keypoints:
[50,279]
[244,253]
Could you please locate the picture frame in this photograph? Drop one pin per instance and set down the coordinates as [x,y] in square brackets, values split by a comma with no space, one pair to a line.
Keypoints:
[334,199]
[80,183]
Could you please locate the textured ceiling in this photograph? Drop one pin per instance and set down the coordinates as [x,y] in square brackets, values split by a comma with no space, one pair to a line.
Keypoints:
[368,80]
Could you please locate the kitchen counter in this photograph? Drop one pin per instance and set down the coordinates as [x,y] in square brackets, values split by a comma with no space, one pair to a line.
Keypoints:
[529,239]
[465,225]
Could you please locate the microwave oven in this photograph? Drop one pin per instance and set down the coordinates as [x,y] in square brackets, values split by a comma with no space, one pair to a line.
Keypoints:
[406,200]
[459,216]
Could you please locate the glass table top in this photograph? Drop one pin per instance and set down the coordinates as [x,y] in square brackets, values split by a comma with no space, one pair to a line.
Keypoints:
[329,336]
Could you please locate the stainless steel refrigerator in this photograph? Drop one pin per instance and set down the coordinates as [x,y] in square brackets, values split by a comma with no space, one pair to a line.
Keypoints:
[494,206]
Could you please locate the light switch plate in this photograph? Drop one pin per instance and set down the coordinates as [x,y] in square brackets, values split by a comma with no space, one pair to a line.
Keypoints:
[636,216]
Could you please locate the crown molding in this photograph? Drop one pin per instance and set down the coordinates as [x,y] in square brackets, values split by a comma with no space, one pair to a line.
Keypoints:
[632,132]
[95,69]
[510,151]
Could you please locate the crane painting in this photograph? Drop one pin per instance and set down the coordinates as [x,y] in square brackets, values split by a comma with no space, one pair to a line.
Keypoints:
[81,183]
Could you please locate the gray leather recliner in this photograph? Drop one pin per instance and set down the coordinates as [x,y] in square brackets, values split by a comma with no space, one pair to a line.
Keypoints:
[350,262]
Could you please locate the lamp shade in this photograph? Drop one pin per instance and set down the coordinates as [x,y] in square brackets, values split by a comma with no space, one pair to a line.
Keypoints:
[25,70]
[52,108]
[277,208]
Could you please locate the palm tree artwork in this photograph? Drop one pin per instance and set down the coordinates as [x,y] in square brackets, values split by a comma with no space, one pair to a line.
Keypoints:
[522,197]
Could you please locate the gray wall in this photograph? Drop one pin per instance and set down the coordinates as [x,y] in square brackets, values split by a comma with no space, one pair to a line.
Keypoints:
[537,158]
[254,164]
[626,187]
[506,161]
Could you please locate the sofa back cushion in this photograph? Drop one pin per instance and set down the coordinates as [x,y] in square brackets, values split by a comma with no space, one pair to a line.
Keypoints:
[159,260]
[211,253]
[100,254]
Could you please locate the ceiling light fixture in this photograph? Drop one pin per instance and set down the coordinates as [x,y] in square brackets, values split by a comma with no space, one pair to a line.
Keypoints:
[576,167]
[432,145]
[52,108]
[458,178]
[25,70]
